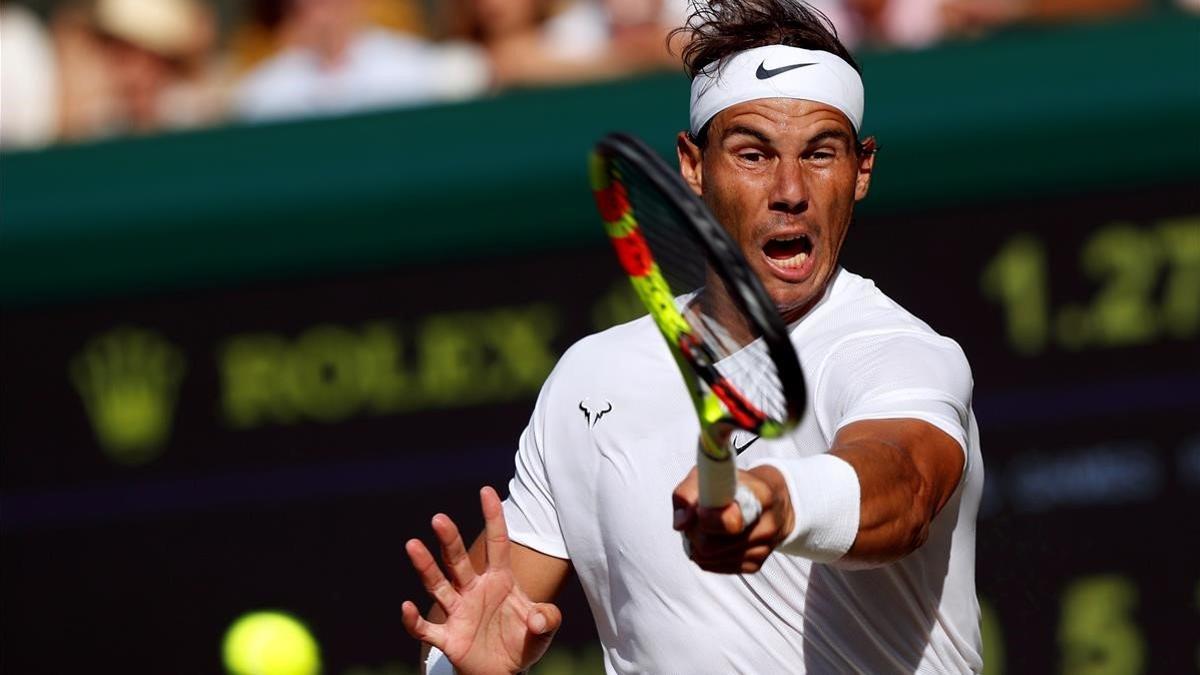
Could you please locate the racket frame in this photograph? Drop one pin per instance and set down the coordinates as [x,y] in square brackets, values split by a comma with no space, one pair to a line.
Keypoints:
[719,406]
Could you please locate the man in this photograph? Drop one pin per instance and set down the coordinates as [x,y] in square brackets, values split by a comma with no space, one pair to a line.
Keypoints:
[863,559]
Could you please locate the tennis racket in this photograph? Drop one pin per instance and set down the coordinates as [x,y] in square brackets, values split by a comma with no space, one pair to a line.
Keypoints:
[727,337]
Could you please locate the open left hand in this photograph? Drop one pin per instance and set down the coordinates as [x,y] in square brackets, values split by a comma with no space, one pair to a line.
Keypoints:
[491,626]
[718,540]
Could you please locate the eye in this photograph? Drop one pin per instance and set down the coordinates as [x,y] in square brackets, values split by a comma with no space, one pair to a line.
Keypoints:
[821,156]
[751,156]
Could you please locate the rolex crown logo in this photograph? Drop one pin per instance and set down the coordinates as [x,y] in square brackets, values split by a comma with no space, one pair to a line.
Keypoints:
[129,381]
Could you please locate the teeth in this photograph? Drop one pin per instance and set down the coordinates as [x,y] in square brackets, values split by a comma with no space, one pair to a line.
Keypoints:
[792,262]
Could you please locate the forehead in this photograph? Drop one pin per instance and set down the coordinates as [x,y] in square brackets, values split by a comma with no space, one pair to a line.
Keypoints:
[781,117]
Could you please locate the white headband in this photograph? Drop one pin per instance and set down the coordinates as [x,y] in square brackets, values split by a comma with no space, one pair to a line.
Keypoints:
[777,71]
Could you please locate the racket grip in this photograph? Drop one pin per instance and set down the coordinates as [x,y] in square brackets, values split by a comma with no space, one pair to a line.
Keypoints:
[719,486]
[718,479]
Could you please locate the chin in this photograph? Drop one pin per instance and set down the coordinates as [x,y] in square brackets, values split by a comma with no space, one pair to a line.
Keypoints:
[792,300]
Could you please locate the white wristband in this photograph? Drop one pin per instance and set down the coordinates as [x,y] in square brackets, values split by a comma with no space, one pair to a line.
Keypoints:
[436,663]
[825,498]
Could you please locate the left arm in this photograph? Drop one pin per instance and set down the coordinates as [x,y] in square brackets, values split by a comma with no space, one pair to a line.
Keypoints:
[905,469]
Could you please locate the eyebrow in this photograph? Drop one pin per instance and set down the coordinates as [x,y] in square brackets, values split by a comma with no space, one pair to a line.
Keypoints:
[746,131]
[831,134]
[828,134]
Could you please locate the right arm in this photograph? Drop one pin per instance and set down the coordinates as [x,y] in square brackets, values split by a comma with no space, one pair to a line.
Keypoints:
[492,613]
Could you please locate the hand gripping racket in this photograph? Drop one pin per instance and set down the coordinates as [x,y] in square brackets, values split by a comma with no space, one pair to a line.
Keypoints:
[727,337]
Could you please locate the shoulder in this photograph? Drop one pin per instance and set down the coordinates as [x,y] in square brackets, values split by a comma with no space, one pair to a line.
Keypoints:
[613,353]
[910,355]
[855,304]
[856,313]
[861,338]
[628,339]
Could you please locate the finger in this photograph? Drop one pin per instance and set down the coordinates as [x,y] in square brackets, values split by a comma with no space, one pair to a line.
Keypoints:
[756,554]
[721,568]
[750,561]
[687,492]
[494,528]
[431,576]
[705,549]
[683,518]
[684,499]
[454,552]
[713,548]
[744,567]
[751,566]
[720,520]
[419,628]
[767,531]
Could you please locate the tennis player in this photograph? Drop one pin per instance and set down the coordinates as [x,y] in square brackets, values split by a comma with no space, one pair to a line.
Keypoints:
[863,558]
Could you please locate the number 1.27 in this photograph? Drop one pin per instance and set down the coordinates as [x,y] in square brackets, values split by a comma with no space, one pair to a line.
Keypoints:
[1146,280]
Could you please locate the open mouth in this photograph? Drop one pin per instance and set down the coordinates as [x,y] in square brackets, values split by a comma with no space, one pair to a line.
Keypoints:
[789,252]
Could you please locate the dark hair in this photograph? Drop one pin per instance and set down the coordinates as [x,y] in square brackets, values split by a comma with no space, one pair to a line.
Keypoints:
[718,29]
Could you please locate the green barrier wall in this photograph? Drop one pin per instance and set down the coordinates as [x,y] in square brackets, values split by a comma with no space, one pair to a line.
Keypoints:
[1027,114]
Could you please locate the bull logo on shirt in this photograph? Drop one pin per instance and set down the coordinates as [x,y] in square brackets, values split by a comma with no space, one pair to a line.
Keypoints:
[593,412]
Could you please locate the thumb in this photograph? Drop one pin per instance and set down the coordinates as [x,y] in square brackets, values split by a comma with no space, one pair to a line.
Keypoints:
[543,620]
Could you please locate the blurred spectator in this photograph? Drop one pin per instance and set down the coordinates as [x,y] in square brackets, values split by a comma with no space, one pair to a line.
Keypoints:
[29,90]
[915,24]
[136,65]
[257,38]
[333,59]
[532,42]
[111,67]
[975,18]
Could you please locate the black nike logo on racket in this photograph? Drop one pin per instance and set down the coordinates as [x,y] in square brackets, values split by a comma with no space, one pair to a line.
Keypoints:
[744,446]
[764,73]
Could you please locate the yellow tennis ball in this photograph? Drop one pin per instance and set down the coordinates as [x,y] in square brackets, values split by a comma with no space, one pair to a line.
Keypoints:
[270,643]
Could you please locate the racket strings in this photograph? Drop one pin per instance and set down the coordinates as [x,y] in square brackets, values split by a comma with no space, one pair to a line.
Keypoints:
[752,372]
[748,367]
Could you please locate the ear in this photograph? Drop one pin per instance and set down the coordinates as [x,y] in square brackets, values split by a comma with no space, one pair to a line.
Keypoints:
[691,162]
[866,164]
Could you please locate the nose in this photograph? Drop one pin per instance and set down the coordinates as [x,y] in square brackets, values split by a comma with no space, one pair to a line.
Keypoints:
[789,193]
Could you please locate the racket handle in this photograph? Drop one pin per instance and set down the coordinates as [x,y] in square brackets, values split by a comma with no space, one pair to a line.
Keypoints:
[719,486]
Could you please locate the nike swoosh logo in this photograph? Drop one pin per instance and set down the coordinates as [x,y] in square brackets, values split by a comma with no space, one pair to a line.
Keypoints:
[764,73]
[744,446]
